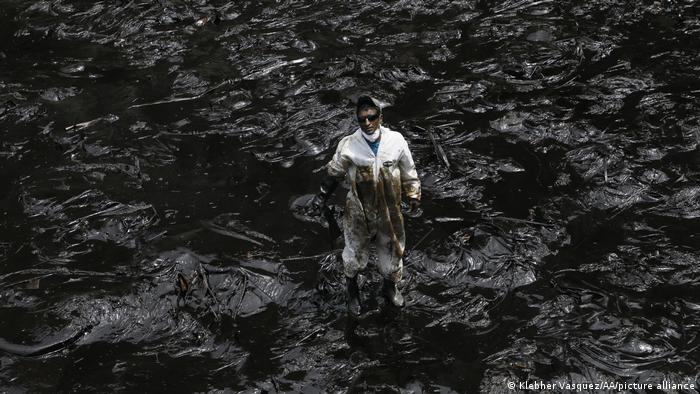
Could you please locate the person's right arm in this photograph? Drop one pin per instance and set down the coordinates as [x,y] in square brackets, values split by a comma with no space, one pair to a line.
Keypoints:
[335,170]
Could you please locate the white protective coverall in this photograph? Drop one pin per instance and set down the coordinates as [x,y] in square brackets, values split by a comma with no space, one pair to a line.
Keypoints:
[373,204]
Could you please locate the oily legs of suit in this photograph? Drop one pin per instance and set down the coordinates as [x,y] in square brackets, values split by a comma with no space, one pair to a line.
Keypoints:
[357,249]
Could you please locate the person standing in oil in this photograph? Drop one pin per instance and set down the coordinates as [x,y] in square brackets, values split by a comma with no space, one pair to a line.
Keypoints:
[376,166]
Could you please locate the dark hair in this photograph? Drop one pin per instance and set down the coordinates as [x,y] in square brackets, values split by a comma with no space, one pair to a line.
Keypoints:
[367,101]
[367,106]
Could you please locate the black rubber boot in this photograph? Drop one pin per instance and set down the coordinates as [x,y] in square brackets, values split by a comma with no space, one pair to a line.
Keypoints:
[353,290]
[392,293]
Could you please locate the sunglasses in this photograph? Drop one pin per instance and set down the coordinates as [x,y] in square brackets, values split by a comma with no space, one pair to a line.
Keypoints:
[371,118]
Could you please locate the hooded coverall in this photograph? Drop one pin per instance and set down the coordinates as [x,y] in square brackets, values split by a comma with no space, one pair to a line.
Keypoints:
[373,204]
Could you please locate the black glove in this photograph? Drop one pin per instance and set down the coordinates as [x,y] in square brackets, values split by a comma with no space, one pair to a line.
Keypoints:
[413,204]
[318,202]
[328,186]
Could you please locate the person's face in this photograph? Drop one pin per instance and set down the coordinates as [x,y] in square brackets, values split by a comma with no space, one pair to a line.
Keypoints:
[369,119]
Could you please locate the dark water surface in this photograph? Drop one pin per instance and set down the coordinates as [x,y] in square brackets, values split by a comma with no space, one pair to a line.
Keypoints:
[146,141]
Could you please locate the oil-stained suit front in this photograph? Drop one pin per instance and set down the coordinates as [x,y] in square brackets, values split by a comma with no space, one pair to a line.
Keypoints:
[373,204]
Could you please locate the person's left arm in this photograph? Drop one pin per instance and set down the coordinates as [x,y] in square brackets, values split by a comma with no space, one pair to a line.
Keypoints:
[409,177]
